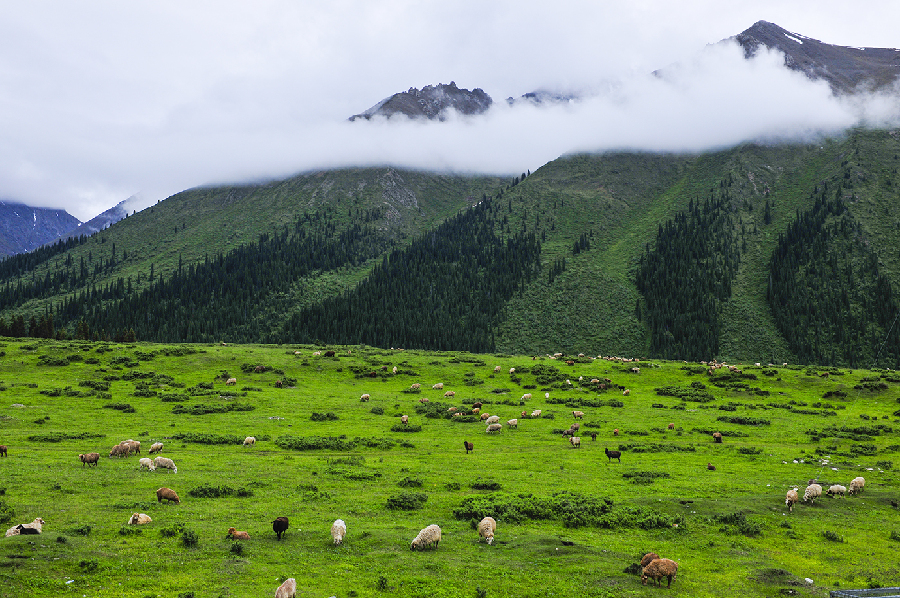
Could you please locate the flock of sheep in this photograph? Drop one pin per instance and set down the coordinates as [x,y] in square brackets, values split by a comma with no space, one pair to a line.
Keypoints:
[814,491]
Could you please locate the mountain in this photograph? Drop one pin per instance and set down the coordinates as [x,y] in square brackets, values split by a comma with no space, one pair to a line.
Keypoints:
[542,97]
[99,222]
[24,228]
[431,102]
[845,68]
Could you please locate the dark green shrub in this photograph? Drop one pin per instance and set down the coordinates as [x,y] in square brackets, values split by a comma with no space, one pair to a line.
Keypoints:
[322,417]
[189,539]
[409,482]
[407,428]
[407,501]
[895,536]
[6,512]
[88,565]
[172,531]
[749,450]
[489,485]
[453,486]
[644,477]
[739,523]
[210,491]
[61,540]
[832,536]
[201,438]
[377,410]
[84,530]
[237,549]
[130,530]
[123,407]
[744,420]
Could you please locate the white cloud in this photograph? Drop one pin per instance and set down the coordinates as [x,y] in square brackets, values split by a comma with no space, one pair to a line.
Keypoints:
[102,99]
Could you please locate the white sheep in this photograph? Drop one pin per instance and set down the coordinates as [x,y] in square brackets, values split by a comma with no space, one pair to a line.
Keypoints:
[26,529]
[493,428]
[338,531]
[430,536]
[575,441]
[364,397]
[438,386]
[513,423]
[449,393]
[415,386]
[526,396]
[486,529]
[836,490]
[404,419]
[494,419]
[497,369]
[231,382]
[578,414]
[148,463]
[249,441]
[536,413]
[139,519]
[791,498]
[165,464]
[813,491]
[156,447]
[288,589]
[856,485]
[512,370]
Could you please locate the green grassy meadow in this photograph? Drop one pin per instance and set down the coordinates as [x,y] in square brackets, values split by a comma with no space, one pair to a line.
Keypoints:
[728,529]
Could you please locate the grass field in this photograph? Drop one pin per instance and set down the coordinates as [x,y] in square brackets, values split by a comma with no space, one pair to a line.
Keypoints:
[570,523]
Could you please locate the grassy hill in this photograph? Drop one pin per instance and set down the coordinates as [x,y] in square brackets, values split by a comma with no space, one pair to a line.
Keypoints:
[598,219]
[570,521]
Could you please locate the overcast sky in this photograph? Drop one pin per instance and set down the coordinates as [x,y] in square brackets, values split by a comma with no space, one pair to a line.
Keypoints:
[101,100]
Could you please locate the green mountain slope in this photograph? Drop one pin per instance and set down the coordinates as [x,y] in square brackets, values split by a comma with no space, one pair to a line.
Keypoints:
[620,262]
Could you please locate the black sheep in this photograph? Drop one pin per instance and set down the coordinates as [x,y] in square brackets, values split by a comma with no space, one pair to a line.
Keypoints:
[280,525]
[469,446]
[613,455]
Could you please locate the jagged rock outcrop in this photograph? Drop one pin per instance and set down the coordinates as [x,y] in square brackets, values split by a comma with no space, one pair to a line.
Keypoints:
[431,102]
[845,68]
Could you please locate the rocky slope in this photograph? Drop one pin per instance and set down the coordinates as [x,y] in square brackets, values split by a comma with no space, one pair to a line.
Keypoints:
[23,228]
[431,102]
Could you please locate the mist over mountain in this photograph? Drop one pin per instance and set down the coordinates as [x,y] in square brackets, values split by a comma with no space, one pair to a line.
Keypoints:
[431,102]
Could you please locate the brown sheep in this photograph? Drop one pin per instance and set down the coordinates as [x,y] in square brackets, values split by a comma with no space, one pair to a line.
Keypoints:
[168,494]
[717,437]
[710,467]
[404,419]
[648,558]
[288,589]
[89,459]
[578,414]
[616,432]
[593,436]
[659,568]
[231,382]
[671,426]
[280,525]
[233,534]
[328,354]
[470,446]
[477,405]
[2,450]
[626,392]
[484,416]
[613,455]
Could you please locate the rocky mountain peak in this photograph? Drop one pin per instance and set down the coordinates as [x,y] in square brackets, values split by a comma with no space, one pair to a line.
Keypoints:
[431,102]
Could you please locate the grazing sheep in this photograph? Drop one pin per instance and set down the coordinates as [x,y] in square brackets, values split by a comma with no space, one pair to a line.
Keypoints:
[280,525]
[430,536]
[578,414]
[791,498]
[546,395]
[477,405]
[575,441]
[469,446]
[134,446]
[415,386]
[813,491]
[671,426]
[484,416]
[165,463]
[146,462]
[513,423]
[249,441]
[338,531]
[120,450]
[234,534]
[404,419]
[648,558]
[328,354]
[168,494]
[288,589]
[593,436]
[512,370]
[493,428]
[231,382]
[156,447]
[616,432]
[536,413]
[575,427]
[494,419]
[717,437]
[526,396]
[710,467]
[659,568]
[423,400]
[139,519]
[89,459]
[26,529]
[497,369]
[836,490]
[476,410]
[486,529]
[626,392]
[364,397]
[450,393]
[438,386]
[613,455]
[2,450]
[856,485]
